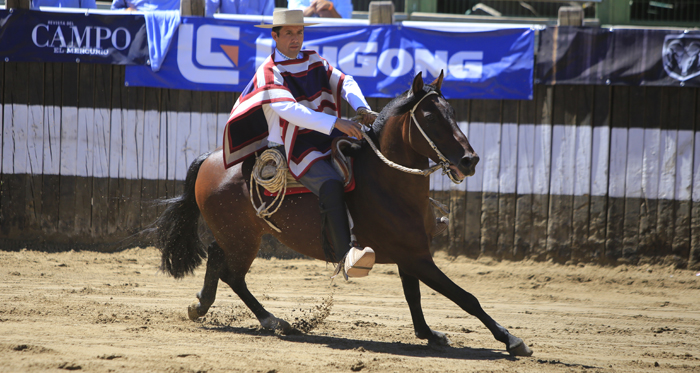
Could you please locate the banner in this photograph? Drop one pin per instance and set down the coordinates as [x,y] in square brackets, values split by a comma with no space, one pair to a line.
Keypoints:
[37,36]
[635,57]
[221,55]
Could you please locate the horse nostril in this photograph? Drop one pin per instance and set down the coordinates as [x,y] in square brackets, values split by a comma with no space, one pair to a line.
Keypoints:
[469,162]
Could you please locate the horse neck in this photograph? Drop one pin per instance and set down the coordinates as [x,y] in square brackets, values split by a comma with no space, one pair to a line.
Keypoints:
[394,143]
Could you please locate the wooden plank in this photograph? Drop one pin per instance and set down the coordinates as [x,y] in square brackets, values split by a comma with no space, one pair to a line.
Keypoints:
[224,105]
[14,151]
[183,133]
[525,176]
[52,140]
[132,157]
[2,139]
[474,195]
[507,179]
[456,198]
[151,160]
[582,177]
[559,227]
[166,173]
[633,176]
[541,173]
[100,145]
[86,120]
[68,151]
[618,161]
[35,146]
[684,172]
[694,257]
[600,160]
[117,171]
[667,177]
[648,235]
[490,161]
[209,117]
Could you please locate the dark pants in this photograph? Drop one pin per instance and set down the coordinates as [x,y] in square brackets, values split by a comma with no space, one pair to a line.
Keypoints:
[318,174]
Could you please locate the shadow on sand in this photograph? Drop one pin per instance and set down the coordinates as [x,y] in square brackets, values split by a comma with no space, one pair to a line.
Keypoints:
[393,348]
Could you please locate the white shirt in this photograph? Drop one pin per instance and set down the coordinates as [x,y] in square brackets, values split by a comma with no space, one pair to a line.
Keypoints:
[301,116]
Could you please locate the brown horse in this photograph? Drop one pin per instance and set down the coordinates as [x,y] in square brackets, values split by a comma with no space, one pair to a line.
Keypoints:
[391,210]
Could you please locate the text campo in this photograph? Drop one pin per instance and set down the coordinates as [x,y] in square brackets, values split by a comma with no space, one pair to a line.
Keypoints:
[71,39]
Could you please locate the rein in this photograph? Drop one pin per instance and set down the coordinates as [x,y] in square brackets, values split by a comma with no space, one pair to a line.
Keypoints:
[444,162]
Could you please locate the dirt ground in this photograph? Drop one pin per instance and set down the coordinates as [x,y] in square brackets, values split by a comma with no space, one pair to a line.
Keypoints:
[98,312]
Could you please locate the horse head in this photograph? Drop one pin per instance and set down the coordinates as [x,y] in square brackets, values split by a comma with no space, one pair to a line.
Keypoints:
[434,132]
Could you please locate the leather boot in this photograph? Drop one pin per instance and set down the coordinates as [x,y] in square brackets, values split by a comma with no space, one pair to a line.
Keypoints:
[352,261]
[334,219]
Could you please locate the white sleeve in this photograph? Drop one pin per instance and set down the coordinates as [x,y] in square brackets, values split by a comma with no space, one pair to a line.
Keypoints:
[352,94]
[301,116]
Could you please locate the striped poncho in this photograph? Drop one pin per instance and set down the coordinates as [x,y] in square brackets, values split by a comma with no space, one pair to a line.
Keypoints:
[309,81]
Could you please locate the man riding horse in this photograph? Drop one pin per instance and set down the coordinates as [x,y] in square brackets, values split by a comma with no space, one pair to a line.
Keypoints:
[293,104]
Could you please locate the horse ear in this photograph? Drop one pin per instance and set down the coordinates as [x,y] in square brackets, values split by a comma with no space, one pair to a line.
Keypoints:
[438,82]
[417,84]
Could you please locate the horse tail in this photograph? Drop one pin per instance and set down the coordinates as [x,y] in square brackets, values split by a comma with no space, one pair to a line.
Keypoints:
[176,230]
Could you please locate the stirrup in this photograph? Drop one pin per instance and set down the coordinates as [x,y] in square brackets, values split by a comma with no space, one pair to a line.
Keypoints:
[355,263]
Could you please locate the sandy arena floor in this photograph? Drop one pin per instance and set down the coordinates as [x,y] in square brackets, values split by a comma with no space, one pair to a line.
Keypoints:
[95,312]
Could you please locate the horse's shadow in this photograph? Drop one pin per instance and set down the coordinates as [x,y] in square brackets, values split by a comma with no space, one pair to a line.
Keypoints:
[393,348]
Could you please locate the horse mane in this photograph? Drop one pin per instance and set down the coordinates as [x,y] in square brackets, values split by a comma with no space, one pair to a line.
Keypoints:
[400,105]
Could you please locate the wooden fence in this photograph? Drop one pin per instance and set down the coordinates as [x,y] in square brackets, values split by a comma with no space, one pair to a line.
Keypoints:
[579,173]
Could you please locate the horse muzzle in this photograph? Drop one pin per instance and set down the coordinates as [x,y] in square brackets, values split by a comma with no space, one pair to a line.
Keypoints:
[466,166]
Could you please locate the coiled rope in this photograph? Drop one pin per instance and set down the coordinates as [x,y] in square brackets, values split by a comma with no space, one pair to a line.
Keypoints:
[274,183]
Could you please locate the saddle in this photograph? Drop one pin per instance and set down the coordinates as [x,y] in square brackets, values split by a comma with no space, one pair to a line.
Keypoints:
[341,148]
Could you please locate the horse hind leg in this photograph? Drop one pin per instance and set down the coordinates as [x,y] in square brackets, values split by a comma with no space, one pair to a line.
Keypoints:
[207,296]
[234,275]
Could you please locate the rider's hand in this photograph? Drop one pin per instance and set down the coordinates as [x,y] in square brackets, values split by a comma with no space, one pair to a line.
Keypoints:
[349,128]
[366,117]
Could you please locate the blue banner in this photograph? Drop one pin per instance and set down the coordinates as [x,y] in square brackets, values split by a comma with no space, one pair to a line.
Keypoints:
[36,36]
[220,55]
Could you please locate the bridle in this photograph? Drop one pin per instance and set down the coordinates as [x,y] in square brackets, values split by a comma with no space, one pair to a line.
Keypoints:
[444,162]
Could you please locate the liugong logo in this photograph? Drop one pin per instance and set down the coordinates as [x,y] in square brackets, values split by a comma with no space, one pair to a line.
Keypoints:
[66,37]
[212,66]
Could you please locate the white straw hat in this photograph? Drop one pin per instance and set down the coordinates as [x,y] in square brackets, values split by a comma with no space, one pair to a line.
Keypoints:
[287,17]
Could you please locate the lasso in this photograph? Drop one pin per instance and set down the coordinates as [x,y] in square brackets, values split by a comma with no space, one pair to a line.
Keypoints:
[276,183]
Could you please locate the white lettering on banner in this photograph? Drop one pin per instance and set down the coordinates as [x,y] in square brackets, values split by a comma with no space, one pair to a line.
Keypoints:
[108,34]
[52,35]
[360,59]
[466,65]
[192,72]
[85,37]
[59,36]
[429,63]
[204,54]
[115,38]
[355,59]
[386,66]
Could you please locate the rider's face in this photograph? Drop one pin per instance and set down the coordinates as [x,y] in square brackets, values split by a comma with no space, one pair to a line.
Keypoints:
[289,40]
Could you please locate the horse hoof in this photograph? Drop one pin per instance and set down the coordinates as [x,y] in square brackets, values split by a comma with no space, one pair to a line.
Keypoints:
[278,325]
[437,339]
[192,312]
[520,349]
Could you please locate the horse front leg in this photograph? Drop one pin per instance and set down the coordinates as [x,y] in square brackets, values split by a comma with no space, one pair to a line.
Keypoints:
[411,289]
[426,271]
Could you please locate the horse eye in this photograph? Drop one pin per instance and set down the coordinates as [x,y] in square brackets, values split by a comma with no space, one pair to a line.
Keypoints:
[431,118]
